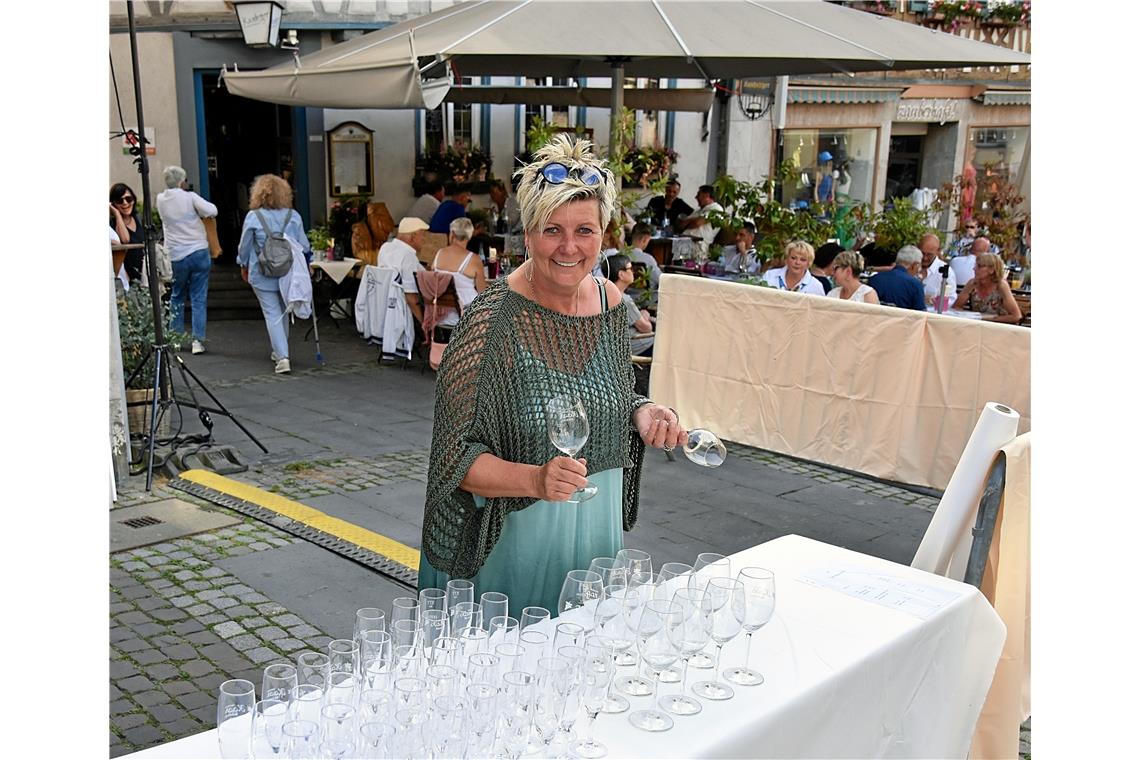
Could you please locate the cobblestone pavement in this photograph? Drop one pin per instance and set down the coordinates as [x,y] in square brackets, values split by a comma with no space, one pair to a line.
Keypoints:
[180,625]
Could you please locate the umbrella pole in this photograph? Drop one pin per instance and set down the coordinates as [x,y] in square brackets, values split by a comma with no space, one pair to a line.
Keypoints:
[617,102]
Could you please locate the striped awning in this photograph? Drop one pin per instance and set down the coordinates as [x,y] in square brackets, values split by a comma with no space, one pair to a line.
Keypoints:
[818,95]
[1005,98]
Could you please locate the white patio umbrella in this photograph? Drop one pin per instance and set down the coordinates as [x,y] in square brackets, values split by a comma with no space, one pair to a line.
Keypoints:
[412,64]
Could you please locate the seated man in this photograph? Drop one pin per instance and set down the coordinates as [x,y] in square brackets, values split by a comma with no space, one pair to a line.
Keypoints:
[621,274]
[642,234]
[963,266]
[400,253]
[426,205]
[900,286]
[668,208]
[742,257]
[507,216]
[698,225]
[452,208]
[931,271]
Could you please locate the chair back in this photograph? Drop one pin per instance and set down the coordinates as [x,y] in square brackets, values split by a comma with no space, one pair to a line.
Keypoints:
[433,241]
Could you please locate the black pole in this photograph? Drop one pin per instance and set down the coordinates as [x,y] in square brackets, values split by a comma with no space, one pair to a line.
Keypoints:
[144,169]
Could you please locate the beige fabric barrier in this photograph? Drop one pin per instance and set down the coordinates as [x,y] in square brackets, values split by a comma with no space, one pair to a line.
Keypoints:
[887,392]
[1006,584]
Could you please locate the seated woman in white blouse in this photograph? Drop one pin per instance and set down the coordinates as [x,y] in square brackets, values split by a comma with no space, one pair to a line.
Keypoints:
[794,276]
[848,266]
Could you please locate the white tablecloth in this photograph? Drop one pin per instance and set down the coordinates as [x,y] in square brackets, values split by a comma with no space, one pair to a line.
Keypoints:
[845,676]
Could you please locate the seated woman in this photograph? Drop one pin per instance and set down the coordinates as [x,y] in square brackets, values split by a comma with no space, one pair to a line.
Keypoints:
[988,293]
[794,275]
[846,268]
[621,274]
[465,267]
[124,219]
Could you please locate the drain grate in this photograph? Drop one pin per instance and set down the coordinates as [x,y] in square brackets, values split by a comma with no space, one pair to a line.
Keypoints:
[141,522]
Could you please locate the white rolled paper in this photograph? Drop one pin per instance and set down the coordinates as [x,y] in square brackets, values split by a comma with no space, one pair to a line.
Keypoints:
[945,548]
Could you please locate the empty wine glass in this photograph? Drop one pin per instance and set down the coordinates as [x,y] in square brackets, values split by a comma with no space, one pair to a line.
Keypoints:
[235,708]
[433,626]
[306,702]
[759,604]
[343,688]
[655,646]
[535,644]
[504,629]
[278,680]
[376,740]
[301,737]
[566,634]
[689,636]
[444,729]
[464,615]
[375,704]
[493,604]
[408,661]
[668,584]
[405,608]
[555,681]
[406,632]
[635,561]
[266,739]
[433,599]
[597,675]
[482,667]
[569,429]
[532,615]
[728,602]
[368,619]
[704,448]
[442,680]
[707,566]
[579,589]
[459,590]
[376,658]
[313,669]
[510,658]
[344,656]
[613,573]
[517,705]
[338,730]
[482,715]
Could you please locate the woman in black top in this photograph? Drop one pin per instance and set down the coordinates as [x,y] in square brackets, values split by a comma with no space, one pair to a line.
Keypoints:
[127,225]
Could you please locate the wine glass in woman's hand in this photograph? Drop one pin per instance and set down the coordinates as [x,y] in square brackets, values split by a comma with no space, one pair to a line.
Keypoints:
[569,429]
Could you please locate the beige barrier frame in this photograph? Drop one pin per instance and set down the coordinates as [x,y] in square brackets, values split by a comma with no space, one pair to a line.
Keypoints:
[887,392]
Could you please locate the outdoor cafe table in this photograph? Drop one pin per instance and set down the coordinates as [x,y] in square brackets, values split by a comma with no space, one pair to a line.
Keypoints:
[863,658]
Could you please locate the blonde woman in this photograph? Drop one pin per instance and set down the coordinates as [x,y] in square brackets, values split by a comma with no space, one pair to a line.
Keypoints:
[794,275]
[272,196]
[496,510]
[847,267]
[988,293]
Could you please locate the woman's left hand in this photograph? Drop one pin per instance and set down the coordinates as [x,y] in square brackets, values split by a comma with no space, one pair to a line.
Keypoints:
[658,427]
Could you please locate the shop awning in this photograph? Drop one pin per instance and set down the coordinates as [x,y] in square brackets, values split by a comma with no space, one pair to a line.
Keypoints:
[1005,98]
[828,95]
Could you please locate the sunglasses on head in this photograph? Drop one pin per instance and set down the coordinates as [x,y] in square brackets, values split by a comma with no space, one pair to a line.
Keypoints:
[556,173]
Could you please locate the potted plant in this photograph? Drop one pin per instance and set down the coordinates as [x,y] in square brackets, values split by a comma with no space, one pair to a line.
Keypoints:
[136,338]
[1007,13]
[901,223]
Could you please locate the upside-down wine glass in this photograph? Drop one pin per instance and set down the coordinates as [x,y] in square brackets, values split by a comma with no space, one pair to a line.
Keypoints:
[704,448]
[759,604]
[569,429]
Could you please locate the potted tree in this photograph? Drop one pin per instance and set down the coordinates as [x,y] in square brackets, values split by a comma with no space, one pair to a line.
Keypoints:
[136,338]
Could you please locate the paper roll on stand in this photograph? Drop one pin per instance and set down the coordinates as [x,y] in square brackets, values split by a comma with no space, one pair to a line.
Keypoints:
[946,546]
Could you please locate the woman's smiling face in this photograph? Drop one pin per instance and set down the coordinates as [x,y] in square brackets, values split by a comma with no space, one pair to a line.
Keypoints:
[566,248]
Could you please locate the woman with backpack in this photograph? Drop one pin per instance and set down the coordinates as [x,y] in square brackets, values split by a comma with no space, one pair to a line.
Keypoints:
[270,215]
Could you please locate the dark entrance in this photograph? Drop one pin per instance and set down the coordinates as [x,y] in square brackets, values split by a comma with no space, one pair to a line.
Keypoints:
[244,138]
[904,165]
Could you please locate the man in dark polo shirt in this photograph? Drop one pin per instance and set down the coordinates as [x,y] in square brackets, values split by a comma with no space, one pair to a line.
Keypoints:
[900,286]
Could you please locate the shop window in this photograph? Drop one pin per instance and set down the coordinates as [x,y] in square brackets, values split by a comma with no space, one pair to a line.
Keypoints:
[1002,148]
[852,157]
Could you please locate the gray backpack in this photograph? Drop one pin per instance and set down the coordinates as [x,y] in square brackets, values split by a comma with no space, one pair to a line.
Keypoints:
[275,259]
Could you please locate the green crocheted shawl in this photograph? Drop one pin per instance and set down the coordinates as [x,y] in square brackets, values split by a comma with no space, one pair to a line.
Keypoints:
[506,358]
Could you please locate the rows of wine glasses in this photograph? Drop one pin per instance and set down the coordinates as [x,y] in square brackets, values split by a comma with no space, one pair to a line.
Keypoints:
[442,675]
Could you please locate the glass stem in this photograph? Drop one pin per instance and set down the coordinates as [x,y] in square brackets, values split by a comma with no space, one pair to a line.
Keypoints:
[716,666]
[656,677]
[684,673]
[748,651]
[590,728]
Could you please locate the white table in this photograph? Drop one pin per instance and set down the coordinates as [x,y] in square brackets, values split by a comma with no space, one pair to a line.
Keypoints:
[844,676]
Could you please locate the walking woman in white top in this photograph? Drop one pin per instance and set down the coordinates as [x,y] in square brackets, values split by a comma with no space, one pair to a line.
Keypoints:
[465,266]
[848,266]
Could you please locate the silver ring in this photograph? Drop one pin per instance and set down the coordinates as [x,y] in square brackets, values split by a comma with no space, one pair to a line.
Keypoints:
[667,448]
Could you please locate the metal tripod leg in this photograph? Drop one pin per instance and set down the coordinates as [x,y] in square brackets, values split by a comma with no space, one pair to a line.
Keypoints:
[182,366]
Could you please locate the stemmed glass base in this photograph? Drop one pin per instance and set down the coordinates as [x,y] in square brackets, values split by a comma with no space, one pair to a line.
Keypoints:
[680,704]
[701,661]
[625,659]
[588,748]
[634,686]
[743,676]
[713,690]
[670,675]
[650,720]
[614,704]
[585,493]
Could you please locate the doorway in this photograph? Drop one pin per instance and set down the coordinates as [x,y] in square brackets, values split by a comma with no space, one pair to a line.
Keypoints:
[904,165]
[238,140]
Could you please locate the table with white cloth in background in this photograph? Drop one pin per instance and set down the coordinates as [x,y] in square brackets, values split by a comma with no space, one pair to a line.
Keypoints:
[334,273]
[960,313]
[863,658]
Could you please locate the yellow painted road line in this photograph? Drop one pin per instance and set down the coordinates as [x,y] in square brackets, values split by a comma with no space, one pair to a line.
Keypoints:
[314,518]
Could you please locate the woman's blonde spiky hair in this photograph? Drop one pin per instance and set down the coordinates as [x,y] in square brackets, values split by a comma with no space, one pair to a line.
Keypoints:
[538,198]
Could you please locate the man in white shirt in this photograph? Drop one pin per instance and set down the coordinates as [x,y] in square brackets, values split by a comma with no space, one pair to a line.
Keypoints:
[425,206]
[963,266]
[184,237]
[743,257]
[698,225]
[506,208]
[400,253]
[930,273]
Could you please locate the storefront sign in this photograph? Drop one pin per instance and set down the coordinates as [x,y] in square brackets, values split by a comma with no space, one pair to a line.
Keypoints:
[940,110]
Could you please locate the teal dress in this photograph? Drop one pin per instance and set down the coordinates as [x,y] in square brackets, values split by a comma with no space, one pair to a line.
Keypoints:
[541,542]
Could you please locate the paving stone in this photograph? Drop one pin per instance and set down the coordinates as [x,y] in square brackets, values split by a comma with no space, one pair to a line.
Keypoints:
[320,643]
[214,619]
[200,638]
[132,645]
[148,656]
[271,608]
[241,611]
[180,652]
[122,707]
[217,652]
[245,642]
[135,684]
[262,655]
[303,631]
[197,585]
[170,592]
[259,546]
[210,684]
[133,618]
[148,575]
[213,572]
[271,633]
[206,714]
[143,736]
[252,623]
[187,626]
[195,699]
[224,602]
[289,645]
[236,589]
[174,688]
[150,629]
[151,698]
[163,671]
[209,594]
[183,601]
[115,693]
[197,668]
[120,633]
[126,722]
[183,726]
[228,629]
[181,555]
[169,614]
[122,669]
[156,561]
[135,565]
[119,607]
[286,621]
[158,583]
[199,609]
[165,713]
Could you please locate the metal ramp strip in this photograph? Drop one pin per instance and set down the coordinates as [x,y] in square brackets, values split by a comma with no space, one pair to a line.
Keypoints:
[388,557]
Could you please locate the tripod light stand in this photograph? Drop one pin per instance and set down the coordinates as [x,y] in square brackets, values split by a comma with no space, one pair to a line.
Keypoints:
[162,352]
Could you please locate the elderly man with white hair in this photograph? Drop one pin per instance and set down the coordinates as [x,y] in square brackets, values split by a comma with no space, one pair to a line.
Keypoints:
[900,286]
[184,236]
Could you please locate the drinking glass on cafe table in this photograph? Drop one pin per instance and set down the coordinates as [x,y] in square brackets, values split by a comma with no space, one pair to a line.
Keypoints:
[302,738]
[504,629]
[613,573]
[610,632]
[759,605]
[532,615]
[368,619]
[338,730]
[376,659]
[432,599]
[376,740]
[278,680]
[459,590]
[313,669]
[579,588]
[405,608]
[344,656]
[597,675]
[707,566]
[728,603]
[635,561]
[235,713]
[493,604]
[655,644]
[266,739]
[689,637]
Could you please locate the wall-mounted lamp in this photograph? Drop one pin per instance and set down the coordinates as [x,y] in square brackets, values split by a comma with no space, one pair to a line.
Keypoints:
[260,22]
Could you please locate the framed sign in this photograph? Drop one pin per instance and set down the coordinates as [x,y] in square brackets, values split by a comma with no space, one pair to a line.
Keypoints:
[350,159]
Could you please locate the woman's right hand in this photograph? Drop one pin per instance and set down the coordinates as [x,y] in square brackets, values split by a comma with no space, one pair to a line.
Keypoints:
[559,478]
[245,274]
[115,211]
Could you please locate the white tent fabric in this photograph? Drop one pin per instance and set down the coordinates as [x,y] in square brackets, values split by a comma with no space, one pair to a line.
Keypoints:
[411,64]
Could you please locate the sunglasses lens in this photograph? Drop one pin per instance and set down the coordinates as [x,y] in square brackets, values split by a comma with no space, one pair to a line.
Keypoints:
[590,177]
[555,173]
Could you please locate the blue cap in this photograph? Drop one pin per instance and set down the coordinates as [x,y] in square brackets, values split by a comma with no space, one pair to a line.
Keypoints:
[824,157]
